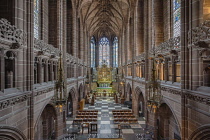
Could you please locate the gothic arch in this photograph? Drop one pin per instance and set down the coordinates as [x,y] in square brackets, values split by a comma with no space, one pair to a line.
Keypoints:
[80,92]
[72,92]
[11,133]
[172,110]
[202,133]
[128,94]
[167,121]
[140,102]
[72,100]
[42,112]
[45,125]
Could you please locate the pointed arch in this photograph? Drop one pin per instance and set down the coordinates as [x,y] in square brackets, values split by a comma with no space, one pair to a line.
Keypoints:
[11,133]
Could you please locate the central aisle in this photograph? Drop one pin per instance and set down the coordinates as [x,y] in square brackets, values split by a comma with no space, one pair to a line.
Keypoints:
[106,126]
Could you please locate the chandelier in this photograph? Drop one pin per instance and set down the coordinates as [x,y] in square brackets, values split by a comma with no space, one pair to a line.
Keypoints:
[154,90]
[60,87]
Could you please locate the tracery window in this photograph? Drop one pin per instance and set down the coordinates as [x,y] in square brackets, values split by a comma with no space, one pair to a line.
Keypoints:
[104,52]
[177,17]
[93,52]
[36,18]
[115,52]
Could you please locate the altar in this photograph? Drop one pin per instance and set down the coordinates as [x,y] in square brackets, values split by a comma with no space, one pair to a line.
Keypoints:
[104,81]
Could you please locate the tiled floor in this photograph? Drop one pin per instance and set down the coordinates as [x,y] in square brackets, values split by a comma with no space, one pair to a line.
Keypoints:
[106,126]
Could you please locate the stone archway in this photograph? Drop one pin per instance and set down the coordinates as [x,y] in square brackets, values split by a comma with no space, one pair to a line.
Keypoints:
[11,133]
[140,102]
[202,133]
[46,127]
[129,93]
[72,102]
[69,105]
[80,92]
[168,127]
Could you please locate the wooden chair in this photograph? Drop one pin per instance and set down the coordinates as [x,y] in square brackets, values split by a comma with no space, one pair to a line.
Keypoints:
[85,125]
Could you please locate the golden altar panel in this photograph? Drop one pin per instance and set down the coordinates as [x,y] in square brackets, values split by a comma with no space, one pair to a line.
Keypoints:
[104,74]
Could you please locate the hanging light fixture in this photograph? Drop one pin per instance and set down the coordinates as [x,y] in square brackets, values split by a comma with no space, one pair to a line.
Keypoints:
[154,91]
[60,87]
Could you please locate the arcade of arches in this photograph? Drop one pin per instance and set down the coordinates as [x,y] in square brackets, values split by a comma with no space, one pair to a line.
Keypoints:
[109,52]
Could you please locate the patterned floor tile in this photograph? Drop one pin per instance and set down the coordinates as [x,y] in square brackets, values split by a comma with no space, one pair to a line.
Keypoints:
[106,126]
[105,122]
[105,131]
[127,131]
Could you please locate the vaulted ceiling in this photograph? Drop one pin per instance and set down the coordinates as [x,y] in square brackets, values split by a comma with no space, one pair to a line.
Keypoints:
[104,17]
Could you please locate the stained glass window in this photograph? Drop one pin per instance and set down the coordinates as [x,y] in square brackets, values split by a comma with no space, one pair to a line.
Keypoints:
[93,52]
[36,19]
[104,54]
[177,17]
[115,52]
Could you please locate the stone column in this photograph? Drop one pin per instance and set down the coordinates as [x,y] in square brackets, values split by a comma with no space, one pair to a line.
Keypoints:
[185,9]
[9,79]
[55,71]
[51,71]
[39,72]
[46,78]
[42,72]
[35,72]
[2,70]
[173,65]
[166,70]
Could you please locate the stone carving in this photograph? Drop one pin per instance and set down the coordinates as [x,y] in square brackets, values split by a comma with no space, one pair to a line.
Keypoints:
[197,98]
[14,100]
[199,37]
[173,91]
[43,91]
[45,48]
[11,33]
[173,45]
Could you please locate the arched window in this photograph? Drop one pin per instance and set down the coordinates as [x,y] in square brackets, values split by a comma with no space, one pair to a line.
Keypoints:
[104,56]
[93,52]
[177,17]
[115,52]
[36,18]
